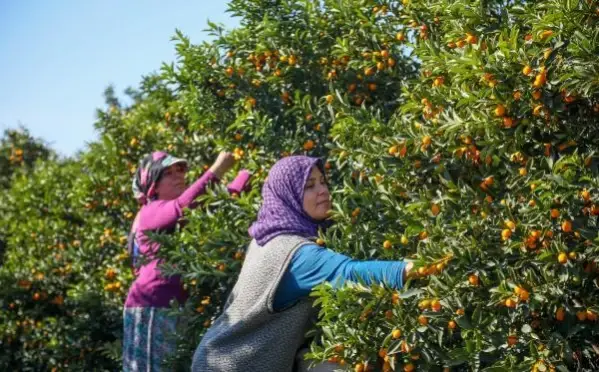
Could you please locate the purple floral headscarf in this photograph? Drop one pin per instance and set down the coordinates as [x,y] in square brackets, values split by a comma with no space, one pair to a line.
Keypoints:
[282,210]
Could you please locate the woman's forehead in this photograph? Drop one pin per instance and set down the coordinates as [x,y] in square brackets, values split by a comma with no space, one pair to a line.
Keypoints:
[177,166]
[315,172]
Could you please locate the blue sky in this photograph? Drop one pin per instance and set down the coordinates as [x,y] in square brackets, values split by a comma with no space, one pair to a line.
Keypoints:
[57,57]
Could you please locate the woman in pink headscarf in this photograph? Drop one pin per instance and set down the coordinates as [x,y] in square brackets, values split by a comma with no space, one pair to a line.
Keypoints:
[159,186]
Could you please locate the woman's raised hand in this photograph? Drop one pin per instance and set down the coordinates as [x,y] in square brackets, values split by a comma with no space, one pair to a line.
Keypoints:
[222,164]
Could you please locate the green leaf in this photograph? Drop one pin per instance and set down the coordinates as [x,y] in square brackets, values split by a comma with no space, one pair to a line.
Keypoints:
[477,316]
[410,293]
[463,322]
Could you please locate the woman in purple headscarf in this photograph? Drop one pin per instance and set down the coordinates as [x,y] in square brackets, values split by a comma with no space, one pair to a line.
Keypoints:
[159,186]
[266,316]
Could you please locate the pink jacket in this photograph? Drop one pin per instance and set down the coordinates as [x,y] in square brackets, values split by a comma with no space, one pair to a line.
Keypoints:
[150,288]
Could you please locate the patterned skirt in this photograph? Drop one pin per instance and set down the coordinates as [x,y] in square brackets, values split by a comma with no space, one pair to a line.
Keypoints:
[149,338]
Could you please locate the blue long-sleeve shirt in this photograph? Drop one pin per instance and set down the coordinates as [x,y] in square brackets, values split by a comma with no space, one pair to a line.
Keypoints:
[312,265]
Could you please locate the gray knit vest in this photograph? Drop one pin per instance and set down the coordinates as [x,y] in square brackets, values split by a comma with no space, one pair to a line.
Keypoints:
[249,335]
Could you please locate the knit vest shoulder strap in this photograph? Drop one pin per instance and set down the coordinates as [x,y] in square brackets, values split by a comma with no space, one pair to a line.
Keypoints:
[250,334]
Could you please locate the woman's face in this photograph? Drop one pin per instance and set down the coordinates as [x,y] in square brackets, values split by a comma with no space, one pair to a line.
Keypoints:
[317,200]
[172,182]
